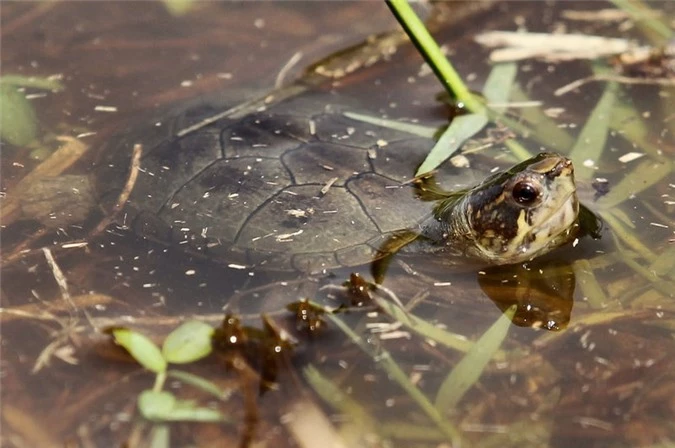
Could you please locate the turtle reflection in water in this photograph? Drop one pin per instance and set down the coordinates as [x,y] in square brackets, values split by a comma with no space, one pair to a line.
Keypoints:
[251,188]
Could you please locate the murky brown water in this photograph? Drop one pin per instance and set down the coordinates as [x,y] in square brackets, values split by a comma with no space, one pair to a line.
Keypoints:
[604,379]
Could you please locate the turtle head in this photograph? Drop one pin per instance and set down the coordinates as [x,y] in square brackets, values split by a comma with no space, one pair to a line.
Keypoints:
[525,211]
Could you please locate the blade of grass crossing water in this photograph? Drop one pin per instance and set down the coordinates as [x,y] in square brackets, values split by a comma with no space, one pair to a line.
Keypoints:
[467,372]
[397,374]
[643,176]
[429,330]
[648,20]
[626,236]
[338,399]
[544,129]
[590,287]
[591,141]
[517,150]
[411,128]
[460,130]
[498,85]
[628,122]
[664,263]
[432,53]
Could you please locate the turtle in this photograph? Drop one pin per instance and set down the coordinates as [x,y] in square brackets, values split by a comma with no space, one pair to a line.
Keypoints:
[297,185]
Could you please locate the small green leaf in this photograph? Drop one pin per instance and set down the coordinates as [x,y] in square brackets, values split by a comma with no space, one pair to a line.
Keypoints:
[19,122]
[32,82]
[189,342]
[460,130]
[467,372]
[178,8]
[141,348]
[156,405]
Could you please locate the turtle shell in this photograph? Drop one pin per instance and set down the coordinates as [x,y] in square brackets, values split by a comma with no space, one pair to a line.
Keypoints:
[293,185]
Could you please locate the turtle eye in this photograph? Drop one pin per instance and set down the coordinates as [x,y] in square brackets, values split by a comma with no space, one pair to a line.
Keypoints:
[525,193]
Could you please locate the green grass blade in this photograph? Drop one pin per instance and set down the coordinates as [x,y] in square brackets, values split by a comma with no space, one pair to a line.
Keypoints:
[590,287]
[642,177]
[591,141]
[664,264]
[428,330]
[432,53]
[332,394]
[467,372]
[397,374]
[32,82]
[647,20]
[626,236]
[519,151]
[543,129]
[460,130]
[200,383]
[628,122]
[410,128]
[500,81]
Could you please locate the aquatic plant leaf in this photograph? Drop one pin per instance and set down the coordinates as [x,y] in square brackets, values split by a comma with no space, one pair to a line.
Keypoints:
[626,236]
[429,330]
[467,372]
[544,130]
[163,406]
[647,20]
[186,412]
[518,150]
[410,128]
[642,177]
[396,373]
[189,342]
[337,398]
[19,121]
[160,437]
[141,348]
[156,405]
[502,77]
[200,383]
[591,141]
[33,82]
[589,285]
[664,263]
[178,8]
[460,130]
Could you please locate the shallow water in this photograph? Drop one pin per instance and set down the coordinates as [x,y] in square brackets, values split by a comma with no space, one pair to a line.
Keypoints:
[601,377]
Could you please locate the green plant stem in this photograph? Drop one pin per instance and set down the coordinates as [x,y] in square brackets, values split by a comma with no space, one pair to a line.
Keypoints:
[160,379]
[432,53]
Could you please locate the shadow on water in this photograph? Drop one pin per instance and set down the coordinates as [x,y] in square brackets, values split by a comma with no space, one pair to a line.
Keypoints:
[301,345]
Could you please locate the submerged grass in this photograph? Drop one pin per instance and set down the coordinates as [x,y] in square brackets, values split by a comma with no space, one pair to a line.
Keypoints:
[460,380]
[467,372]
[591,141]
[645,175]
[429,330]
[590,287]
[396,373]
[332,394]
